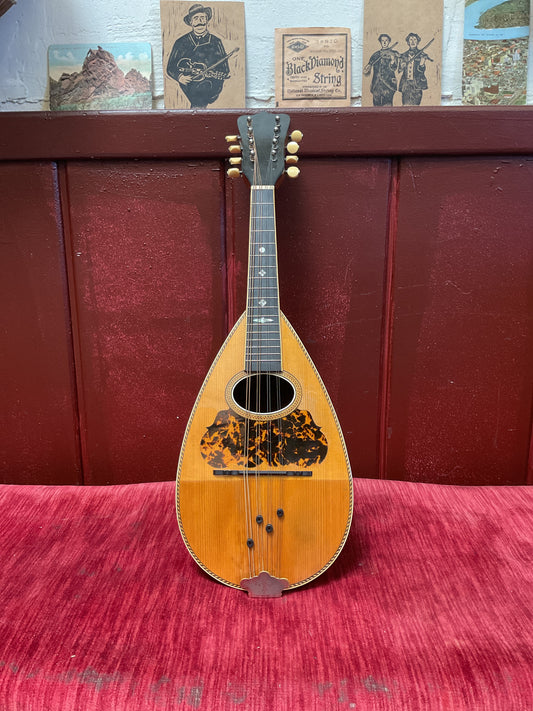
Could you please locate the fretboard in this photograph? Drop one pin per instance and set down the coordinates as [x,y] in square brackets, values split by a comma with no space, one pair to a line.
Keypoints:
[263,340]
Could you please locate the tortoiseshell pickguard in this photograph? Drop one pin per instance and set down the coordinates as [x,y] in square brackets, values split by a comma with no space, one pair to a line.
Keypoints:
[233,441]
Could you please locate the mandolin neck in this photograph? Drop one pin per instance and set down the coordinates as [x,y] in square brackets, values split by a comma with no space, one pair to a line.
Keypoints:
[263,339]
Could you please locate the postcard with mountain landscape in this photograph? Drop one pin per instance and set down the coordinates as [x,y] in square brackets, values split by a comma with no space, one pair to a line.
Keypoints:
[113,76]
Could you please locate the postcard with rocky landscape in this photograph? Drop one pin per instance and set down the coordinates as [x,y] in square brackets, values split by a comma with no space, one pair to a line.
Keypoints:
[313,66]
[402,53]
[495,51]
[107,77]
[203,54]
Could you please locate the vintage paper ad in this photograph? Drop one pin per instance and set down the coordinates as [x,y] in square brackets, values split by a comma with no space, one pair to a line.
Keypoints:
[313,66]
[495,51]
[203,54]
[402,53]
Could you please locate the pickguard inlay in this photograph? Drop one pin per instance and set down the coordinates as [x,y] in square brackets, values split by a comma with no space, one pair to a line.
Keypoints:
[233,441]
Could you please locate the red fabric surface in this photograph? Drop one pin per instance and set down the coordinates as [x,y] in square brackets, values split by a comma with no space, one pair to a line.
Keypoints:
[428,607]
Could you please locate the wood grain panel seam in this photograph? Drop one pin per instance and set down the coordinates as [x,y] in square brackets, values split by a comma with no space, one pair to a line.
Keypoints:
[72,305]
[388,319]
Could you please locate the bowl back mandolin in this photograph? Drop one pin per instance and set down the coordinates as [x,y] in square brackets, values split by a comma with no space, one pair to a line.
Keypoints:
[264,488]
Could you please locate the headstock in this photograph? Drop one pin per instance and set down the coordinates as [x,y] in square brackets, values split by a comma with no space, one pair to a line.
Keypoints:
[259,149]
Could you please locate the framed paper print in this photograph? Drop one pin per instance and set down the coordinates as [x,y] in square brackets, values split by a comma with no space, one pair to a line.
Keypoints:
[106,77]
[203,54]
[313,66]
[495,52]
[402,53]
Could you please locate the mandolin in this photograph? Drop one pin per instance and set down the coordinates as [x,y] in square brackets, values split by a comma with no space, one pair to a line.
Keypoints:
[198,70]
[264,490]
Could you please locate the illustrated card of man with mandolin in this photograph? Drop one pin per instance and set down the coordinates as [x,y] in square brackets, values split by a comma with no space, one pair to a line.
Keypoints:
[203,54]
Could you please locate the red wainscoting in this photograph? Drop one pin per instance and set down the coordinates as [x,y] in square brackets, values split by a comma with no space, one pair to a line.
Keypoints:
[39,439]
[405,252]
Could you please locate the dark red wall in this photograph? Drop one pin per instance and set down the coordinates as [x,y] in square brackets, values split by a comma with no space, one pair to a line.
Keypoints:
[39,440]
[405,264]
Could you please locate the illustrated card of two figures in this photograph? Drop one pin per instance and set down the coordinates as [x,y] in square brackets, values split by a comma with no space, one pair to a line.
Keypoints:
[402,50]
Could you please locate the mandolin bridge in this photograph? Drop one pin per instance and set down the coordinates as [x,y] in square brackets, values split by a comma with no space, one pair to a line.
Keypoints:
[262,472]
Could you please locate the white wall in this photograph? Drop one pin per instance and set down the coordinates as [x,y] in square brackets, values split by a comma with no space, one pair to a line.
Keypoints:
[29,27]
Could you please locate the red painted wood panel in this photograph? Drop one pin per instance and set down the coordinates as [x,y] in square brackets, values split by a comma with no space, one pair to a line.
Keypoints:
[38,436]
[417,130]
[332,233]
[413,268]
[147,264]
[461,369]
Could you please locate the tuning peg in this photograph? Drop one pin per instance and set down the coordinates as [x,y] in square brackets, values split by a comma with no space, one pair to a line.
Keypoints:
[291,160]
[234,148]
[235,160]
[232,139]
[292,147]
[234,173]
[293,171]
[296,136]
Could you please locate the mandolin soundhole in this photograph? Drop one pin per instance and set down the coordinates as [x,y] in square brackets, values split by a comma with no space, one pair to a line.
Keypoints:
[263,394]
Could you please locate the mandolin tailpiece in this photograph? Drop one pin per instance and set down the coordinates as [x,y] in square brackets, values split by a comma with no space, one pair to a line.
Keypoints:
[264,585]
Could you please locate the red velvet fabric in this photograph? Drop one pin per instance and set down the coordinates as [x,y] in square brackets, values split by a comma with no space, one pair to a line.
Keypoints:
[428,607]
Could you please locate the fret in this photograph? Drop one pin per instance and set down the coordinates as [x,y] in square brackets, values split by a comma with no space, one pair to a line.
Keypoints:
[272,365]
[262,360]
[268,343]
[263,346]
[260,334]
[257,352]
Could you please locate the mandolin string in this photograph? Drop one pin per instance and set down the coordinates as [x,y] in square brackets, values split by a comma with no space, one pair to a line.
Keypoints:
[265,336]
[277,332]
[272,329]
[248,403]
[258,296]
[255,350]
[266,352]
[275,483]
[246,491]
[266,347]
[257,345]
[281,458]
[246,498]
